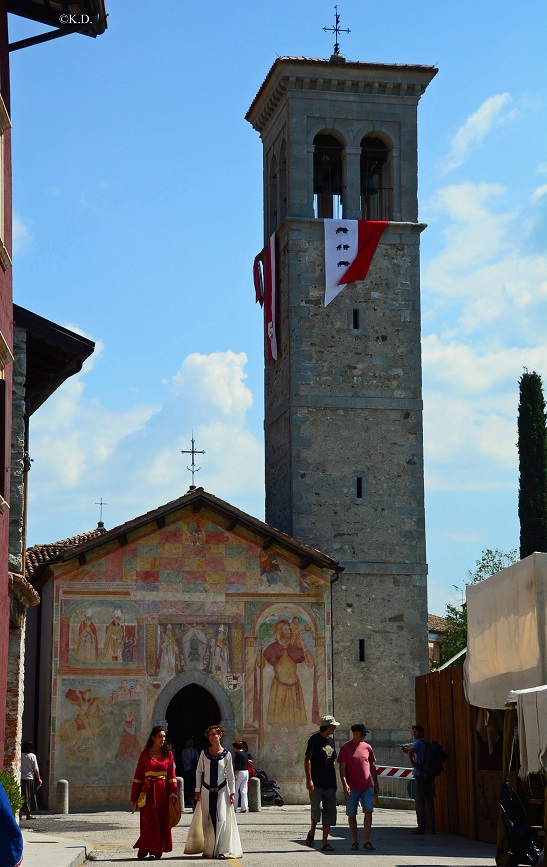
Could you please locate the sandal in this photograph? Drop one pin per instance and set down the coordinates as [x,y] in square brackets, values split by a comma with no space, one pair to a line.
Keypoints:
[310,841]
[368,845]
[327,848]
[355,845]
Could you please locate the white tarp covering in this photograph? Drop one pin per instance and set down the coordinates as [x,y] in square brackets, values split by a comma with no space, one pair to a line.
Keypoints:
[506,633]
[532,722]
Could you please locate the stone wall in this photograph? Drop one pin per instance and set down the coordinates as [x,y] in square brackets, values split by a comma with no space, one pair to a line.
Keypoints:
[344,404]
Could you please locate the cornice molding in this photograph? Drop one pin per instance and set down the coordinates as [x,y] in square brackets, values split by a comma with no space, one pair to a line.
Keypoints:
[318,78]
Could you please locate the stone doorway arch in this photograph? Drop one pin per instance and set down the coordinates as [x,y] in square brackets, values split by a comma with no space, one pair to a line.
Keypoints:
[210,686]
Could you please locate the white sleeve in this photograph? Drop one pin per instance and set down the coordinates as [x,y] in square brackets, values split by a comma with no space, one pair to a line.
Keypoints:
[200,771]
[229,771]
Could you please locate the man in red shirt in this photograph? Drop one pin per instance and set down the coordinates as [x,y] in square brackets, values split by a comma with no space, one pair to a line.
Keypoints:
[359,781]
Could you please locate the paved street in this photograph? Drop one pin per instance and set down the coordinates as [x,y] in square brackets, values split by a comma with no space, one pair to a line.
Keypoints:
[273,837]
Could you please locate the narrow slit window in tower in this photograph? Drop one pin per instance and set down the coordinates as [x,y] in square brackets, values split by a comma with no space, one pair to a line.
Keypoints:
[327,177]
[376,185]
[361,650]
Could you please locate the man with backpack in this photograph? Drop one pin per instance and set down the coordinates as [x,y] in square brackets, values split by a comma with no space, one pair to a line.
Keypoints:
[424,778]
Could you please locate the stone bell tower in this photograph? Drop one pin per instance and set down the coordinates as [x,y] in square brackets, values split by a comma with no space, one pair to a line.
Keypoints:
[343,400]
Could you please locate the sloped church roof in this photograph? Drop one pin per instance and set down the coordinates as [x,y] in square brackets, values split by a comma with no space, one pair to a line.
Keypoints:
[40,557]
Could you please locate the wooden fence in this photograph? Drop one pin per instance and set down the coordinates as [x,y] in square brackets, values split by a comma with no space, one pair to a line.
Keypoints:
[442,709]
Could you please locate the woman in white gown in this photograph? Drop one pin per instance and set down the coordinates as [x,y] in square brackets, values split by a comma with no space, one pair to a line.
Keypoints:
[214,831]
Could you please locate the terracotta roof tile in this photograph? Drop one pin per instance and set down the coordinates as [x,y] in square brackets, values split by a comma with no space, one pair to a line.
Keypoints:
[436,624]
[40,554]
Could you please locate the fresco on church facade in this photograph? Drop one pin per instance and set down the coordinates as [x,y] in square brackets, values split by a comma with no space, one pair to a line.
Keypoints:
[101,634]
[189,602]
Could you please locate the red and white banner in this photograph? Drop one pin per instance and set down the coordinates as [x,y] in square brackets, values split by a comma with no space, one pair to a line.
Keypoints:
[265,282]
[349,249]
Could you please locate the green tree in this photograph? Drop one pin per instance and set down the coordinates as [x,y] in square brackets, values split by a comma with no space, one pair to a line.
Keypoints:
[532,446]
[455,637]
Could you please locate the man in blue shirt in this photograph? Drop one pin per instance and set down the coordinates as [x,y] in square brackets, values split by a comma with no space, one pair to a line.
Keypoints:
[424,784]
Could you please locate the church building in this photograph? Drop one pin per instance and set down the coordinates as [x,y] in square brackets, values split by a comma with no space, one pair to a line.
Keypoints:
[196,612]
[189,615]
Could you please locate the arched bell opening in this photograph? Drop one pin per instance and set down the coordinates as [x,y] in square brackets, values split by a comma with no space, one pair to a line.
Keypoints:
[376,179]
[327,177]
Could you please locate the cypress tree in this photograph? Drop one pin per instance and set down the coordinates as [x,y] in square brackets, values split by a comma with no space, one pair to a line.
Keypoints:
[532,446]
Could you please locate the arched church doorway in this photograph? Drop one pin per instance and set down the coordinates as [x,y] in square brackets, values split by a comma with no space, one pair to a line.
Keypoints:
[189,712]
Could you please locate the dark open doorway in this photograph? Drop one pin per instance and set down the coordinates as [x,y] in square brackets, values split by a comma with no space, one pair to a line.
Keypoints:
[189,713]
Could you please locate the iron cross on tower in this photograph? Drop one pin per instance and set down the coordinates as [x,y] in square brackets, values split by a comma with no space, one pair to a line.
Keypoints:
[337,30]
[193,469]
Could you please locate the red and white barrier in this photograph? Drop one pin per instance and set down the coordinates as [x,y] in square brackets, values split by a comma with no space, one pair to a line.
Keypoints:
[399,773]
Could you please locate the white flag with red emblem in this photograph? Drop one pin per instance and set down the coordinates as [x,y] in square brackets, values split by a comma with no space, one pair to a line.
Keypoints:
[349,249]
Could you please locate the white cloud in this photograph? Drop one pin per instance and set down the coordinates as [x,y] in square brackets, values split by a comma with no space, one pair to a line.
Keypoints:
[539,193]
[21,236]
[491,113]
[486,280]
[83,451]
[73,436]
[216,380]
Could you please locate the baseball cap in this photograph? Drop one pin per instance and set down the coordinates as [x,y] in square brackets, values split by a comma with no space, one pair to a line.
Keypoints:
[328,721]
[359,727]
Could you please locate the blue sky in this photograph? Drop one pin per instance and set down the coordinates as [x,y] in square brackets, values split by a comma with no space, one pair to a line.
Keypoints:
[138,212]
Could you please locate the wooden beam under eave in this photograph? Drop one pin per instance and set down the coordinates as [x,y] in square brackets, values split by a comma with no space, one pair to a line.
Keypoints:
[268,543]
[82,559]
[232,524]
[305,563]
[160,522]
[196,506]
[122,540]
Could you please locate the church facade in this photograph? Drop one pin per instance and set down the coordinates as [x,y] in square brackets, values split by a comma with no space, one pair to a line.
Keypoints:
[193,614]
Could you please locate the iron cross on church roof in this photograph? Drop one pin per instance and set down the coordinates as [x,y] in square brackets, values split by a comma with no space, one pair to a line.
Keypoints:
[192,469]
[337,30]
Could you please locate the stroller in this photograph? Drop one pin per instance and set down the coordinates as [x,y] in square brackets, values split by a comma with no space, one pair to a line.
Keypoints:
[270,793]
[518,828]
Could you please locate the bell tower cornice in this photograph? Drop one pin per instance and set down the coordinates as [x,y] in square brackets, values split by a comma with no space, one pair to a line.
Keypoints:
[391,81]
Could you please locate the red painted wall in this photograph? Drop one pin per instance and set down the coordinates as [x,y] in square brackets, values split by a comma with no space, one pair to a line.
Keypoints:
[6,327]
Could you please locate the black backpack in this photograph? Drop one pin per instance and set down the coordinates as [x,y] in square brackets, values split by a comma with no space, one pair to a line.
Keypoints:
[434,757]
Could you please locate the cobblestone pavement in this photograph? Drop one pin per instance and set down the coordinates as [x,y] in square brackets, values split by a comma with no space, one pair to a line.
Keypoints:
[274,836]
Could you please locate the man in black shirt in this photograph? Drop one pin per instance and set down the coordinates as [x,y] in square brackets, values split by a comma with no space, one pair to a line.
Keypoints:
[319,765]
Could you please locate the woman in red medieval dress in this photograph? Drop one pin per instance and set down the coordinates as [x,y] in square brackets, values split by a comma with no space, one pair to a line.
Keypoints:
[155,784]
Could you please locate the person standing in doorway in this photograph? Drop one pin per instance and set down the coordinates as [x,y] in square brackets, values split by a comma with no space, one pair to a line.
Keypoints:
[319,765]
[190,757]
[359,782]
[424,784]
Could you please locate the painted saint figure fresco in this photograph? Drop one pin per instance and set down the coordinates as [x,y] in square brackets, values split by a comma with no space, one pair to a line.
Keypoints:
[129,748]
[87,647]
[220,654]
[113,638]
[286,703]
[169,657]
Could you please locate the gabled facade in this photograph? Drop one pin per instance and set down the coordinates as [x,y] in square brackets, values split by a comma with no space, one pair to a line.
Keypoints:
[192,614]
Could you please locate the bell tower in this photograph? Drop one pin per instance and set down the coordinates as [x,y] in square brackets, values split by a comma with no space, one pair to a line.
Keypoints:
[343,399]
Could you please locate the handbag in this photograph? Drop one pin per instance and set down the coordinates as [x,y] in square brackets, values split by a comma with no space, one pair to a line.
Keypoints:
[175,812]
[250,768]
